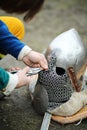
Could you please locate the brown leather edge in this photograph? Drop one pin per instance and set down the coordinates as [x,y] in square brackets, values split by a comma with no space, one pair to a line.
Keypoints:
[82,114]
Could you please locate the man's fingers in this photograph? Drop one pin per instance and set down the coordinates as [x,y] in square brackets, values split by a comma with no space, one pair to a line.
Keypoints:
[26,70]
[44,64]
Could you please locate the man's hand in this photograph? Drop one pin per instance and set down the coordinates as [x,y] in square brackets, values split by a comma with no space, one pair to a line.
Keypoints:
[23,79]
[35,59]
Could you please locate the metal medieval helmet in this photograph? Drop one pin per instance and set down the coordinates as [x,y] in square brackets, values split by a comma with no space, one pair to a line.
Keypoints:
[69,49]
[70,53]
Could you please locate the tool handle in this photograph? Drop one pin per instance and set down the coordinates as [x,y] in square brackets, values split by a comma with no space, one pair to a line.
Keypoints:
[46,121]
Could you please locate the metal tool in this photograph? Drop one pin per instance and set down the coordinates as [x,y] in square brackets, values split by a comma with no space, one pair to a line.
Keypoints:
[32,71]
[46,121]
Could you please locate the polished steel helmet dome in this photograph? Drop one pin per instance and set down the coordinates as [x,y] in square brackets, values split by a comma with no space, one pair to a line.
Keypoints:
[69,50]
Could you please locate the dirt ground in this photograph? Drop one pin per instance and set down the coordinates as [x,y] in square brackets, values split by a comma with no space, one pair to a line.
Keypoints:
[57,16]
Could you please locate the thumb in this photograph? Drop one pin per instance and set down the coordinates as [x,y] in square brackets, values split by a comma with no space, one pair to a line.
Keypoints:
[26,70]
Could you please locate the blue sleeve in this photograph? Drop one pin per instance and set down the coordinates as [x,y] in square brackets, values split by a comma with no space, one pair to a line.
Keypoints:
[8,42]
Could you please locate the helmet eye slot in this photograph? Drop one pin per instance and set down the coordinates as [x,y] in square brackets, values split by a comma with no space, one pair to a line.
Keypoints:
[60,71]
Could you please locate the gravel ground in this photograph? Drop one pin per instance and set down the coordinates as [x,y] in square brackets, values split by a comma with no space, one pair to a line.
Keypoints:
[57,16]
